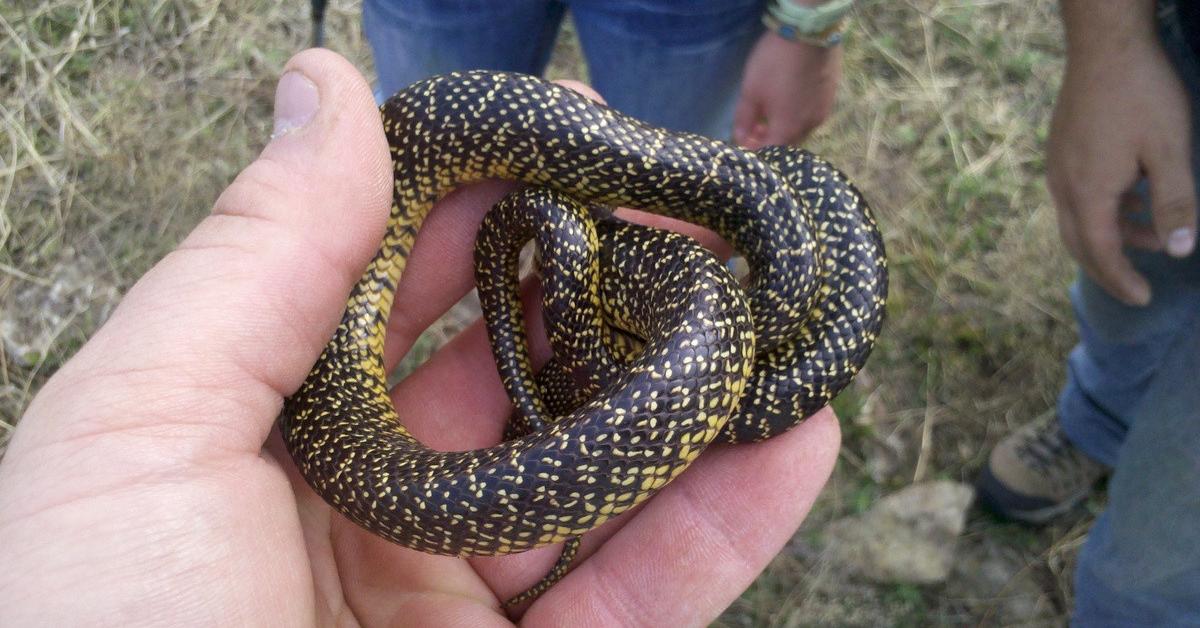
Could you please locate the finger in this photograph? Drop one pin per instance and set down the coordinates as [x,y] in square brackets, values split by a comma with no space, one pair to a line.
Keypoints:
[756,138]
[746,121]
[316,523]
[224,326]
[512,575]
[1104,260]
[704,538]
[1090,229]
[1173,198]
[582,88]
[388,585]
[759,134]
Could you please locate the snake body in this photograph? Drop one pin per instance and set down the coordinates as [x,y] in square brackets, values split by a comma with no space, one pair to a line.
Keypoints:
[719,361]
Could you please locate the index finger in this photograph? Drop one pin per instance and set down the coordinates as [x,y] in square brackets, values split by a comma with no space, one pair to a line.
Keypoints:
[1103,257]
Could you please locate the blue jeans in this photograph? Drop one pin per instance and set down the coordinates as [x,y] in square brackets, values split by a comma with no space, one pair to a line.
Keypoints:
[1132,401]
[674,64]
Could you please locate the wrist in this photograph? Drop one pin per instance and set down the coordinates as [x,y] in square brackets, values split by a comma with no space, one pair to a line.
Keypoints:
[799,46]
[813,22]
[1098,30]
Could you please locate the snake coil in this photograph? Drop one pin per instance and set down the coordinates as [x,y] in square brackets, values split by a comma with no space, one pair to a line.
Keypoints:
[720,361]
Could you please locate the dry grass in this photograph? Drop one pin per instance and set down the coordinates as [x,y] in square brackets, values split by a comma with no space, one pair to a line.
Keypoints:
[123,119]
[942,122]
[122,122]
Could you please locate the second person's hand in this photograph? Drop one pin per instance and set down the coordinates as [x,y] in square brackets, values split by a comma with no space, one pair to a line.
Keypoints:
[788,90]
[1121,114]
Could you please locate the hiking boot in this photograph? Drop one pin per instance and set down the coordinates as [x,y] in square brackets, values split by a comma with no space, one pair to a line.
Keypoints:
[1035,474]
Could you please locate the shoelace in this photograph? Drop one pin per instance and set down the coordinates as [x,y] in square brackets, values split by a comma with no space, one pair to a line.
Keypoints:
[1048,450]
[1042,447]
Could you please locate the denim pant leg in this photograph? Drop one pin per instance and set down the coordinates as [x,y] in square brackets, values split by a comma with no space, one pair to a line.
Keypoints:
[1121,350]
[1140,565]
[673,64]
[1132,401]
[414,39]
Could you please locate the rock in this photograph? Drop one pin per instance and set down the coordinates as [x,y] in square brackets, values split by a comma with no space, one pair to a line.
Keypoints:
[1002,581]
[907,537]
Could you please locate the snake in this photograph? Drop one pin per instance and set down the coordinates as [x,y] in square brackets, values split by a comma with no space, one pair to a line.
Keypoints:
[659,351]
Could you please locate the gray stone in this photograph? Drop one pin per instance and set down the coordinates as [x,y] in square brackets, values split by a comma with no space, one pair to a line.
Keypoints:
[1001,581]
[907,537]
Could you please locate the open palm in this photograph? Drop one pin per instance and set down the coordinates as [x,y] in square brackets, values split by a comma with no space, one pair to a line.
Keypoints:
[146,483]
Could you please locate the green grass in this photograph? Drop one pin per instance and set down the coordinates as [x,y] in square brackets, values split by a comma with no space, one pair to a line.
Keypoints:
[123,119]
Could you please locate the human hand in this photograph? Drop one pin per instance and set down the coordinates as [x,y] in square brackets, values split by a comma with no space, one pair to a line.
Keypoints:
[1121,114]
[146,483]
[788,89]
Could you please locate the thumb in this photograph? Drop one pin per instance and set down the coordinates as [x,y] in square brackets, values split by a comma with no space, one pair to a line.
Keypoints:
[223,327]
[1173,200]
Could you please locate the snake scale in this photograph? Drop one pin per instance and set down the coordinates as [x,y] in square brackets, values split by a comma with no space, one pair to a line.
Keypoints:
[672,352]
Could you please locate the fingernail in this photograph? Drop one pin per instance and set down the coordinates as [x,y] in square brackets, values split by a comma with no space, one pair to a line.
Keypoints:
[1180,242]
[296,102]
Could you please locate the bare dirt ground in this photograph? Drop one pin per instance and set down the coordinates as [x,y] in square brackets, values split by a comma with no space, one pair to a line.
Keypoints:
[123,119]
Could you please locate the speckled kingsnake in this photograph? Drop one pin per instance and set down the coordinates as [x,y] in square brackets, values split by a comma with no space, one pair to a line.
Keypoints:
[816,293]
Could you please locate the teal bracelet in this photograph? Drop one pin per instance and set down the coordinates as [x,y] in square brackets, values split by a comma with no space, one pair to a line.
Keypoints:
[806,21]
[827,39]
